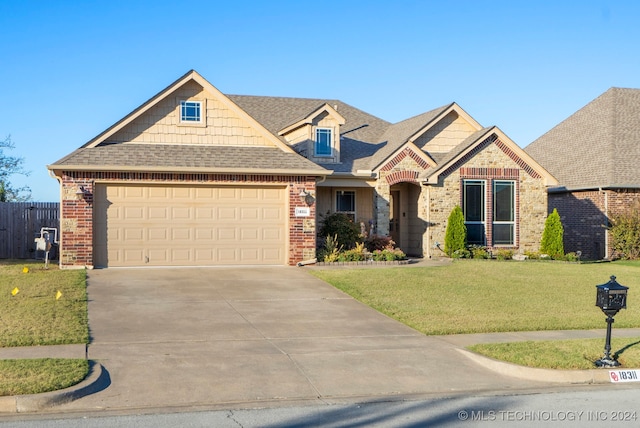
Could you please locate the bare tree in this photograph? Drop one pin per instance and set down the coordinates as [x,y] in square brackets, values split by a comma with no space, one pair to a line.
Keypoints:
[10,165]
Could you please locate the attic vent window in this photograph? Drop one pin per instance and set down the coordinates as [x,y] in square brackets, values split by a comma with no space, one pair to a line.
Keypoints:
[191,111]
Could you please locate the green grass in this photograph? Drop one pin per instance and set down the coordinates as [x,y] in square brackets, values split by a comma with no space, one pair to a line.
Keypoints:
[563,354]
[477,296]
[33,316]
[18,377]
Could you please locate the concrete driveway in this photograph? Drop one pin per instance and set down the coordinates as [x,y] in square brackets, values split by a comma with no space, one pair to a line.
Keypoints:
[219,336]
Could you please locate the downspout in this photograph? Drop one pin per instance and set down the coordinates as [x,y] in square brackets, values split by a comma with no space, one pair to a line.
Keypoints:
[606,222]
[428,204]
[59,180]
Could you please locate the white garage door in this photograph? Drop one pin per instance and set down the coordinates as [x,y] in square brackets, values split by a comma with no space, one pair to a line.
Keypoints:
[142,225]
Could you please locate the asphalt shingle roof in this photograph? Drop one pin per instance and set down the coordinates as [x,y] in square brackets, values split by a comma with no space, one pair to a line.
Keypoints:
[597,146]
[168,157]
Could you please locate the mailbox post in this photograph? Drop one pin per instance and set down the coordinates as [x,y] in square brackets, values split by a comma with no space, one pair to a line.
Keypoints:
[610,297]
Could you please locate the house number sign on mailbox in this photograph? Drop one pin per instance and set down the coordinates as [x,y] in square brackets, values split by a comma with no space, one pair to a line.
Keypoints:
[303,212]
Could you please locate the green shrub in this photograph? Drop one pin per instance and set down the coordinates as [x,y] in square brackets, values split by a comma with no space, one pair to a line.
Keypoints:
[571,257]
[532,255]
[331,250]
[462,253]
[356,254]
[625,234]
[479,252]
[388,255]
[552,237]
[340,226]
[503,254]
[456,234]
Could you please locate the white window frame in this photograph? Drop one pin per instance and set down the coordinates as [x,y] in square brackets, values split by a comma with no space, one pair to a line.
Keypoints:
[511,222]
[328,131]
[202,109]
[482,222]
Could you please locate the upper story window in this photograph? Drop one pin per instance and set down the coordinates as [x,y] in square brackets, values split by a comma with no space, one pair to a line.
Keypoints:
[323,141]
[191,111]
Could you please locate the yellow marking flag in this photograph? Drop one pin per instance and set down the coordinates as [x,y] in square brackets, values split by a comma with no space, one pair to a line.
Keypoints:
[58,294]
[15,291]
[25,269]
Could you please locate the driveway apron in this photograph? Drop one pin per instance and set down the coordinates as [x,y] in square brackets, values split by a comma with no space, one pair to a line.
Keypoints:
[208,336]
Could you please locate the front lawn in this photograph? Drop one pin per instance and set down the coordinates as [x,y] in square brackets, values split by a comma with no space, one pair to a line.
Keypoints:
[41,307]
[477,296]
[31,315]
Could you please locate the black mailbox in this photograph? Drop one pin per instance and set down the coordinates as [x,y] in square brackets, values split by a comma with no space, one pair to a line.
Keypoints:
[611,297]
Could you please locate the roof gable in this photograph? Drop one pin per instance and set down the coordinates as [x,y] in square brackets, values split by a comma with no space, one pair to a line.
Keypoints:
[152,121]
[597,146]
[480,140]
[412,130]
[309,118]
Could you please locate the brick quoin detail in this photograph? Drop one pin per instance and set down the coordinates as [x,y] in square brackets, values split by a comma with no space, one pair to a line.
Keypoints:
[77,210]
[402,176]
[403,154]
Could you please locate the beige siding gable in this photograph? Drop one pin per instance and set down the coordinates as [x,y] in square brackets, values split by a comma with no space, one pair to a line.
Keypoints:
[443,136]
[303,138]
[161,123]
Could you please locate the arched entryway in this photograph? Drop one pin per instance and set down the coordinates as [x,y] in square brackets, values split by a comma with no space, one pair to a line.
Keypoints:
[406,227]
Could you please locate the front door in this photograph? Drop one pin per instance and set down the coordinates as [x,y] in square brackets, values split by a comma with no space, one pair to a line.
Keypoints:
[394,216]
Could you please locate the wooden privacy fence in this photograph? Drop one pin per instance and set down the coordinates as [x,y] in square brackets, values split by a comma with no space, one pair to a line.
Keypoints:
[20,224]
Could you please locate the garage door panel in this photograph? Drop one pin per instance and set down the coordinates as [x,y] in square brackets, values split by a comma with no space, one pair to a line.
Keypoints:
[272,234]
[134,234]
[226,214]
[227,234]
[249,234]
[160,255]
[158,225]
[272,214]
[158,235]
[135,255]
[133,213]
[248,214]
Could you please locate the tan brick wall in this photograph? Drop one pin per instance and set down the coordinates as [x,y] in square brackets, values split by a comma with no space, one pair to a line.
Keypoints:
[161,124]
[492,163]
[76,246]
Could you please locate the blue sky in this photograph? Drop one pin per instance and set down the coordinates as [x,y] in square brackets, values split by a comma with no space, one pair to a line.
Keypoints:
[70,69]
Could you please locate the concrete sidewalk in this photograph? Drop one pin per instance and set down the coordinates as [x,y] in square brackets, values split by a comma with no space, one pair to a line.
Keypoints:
[238,337]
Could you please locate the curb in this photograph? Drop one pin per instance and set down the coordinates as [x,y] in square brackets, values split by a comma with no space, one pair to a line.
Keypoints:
[537,374]
[97,380]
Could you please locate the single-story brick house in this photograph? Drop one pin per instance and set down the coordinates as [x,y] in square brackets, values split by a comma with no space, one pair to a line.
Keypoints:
[594,154]
[197,177]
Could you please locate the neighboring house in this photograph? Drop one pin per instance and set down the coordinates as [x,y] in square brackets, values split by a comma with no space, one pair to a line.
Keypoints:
[594,154]
[196,177]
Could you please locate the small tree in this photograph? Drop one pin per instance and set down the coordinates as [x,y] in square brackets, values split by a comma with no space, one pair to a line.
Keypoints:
[10,165]
[455,236]
[552,242]
[625,234]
